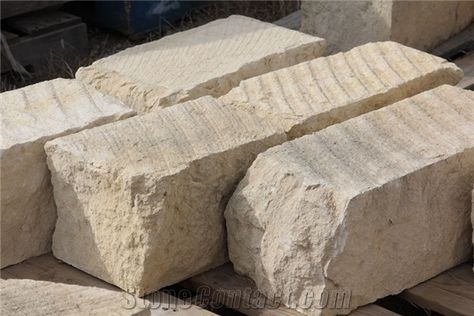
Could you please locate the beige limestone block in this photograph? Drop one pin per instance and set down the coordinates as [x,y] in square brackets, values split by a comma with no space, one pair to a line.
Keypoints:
[45,286]
[313,95]
[31,116]
[370,206]
[140,202]
[207,60]
[419,24]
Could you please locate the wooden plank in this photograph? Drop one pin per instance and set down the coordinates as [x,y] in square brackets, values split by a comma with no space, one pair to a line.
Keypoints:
[467,65]
[227,288]
[44,285]
[14,8]
[450,293]
[41,22]
[372,310]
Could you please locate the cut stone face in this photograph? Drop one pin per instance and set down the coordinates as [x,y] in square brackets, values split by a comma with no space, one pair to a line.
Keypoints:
[419,24]
[313,95]
[140,202]
[89,193]
[207,60]
[369,207]
[30,117]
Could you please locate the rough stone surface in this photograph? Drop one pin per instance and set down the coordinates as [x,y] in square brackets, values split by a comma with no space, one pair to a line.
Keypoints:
[373,205]
[207,60]
[140,202]
[419,24]
[313,95]
[29,117]
[45,286]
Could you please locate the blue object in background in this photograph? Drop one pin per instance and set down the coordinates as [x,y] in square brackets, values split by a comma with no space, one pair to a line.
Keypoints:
[138,17]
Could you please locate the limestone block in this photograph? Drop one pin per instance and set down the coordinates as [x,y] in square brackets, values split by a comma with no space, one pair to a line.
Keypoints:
[45,286]
[313,95]
[419,24]
[29,117]
[369,207]
[207,60]
[140,202]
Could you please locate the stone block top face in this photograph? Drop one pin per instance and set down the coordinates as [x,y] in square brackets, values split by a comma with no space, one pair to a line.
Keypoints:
[165,140]
[313,95]
[52,108]
[207,60]
[371,150]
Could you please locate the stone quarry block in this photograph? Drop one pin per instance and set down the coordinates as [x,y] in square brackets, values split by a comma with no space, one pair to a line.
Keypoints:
[140,202]
[207,60]
[367,207]
[308,98]
[30,117]
[419,24]
[313,95]
[45,286]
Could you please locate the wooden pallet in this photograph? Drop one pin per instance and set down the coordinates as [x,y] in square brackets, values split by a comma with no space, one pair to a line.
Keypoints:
[44,285]
[34,39]
[450,293]
[238,292]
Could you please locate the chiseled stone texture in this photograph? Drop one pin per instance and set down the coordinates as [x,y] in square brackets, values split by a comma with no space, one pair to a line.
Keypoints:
[419,24]
[31,116]
[207,60]
[313,95]
[373,205]
[140,202]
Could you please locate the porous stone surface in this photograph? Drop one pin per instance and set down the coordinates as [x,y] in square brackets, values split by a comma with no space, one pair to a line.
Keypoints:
[207,60]
[472,215]
[31,116]
[370,206]
[45,286]
[419,24]
[313,95]
[140,202]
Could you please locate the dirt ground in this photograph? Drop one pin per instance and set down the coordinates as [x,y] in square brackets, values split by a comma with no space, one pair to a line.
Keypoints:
[104,42]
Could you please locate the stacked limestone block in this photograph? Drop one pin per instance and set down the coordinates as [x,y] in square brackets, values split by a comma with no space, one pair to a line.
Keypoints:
[369,207]
[30,117]
[419,24]
[141,201]
[313,95]
[207,60]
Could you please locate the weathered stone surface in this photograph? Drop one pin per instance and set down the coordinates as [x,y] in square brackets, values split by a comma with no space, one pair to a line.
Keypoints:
[30,117]
[373,205]
[140,202]
[472,216]
[207,60]
[45,286]
[419,24]
[313,95]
